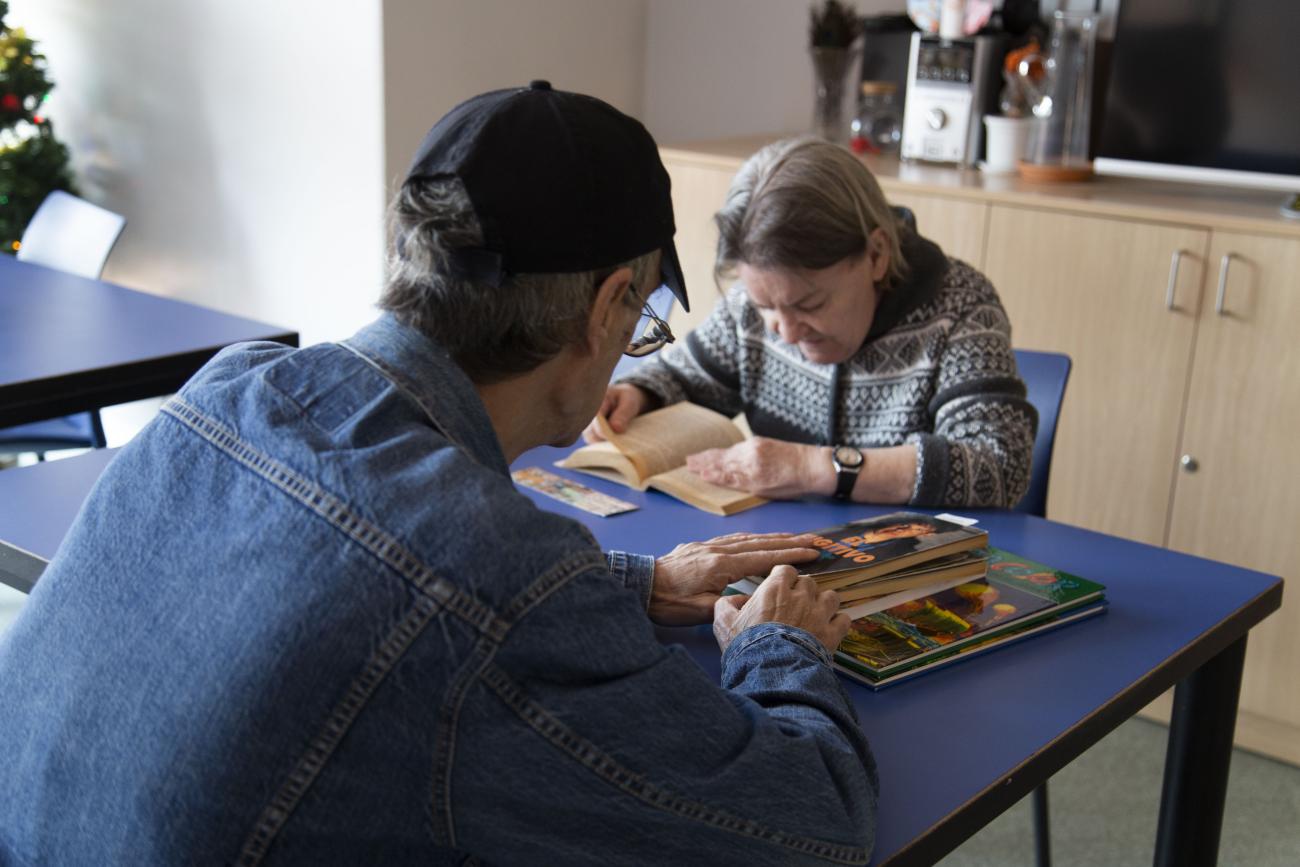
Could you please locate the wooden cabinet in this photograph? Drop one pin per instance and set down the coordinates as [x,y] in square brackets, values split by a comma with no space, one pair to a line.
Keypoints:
[956,225]
[1170,360]
[1238,497]
[699,189]
[1098,290]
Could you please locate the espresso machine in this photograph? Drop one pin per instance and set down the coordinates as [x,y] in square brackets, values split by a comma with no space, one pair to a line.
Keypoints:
[951,85]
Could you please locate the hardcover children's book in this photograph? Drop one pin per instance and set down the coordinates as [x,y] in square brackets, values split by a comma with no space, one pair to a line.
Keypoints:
[1016,595]
[975,648]
[652,453]
[870,548]
[945,571]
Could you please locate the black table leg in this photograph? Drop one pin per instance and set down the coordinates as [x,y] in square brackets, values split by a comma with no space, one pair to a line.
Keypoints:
[1196,764]
[1042,828]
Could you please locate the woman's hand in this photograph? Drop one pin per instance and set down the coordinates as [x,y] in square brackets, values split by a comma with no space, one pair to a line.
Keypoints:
[622,403]
[770,468]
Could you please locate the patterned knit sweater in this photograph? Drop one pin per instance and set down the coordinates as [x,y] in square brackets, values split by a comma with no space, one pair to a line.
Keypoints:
[936,369]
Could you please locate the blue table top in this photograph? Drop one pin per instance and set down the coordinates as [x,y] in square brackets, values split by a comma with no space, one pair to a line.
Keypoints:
[954,747]
[66,335]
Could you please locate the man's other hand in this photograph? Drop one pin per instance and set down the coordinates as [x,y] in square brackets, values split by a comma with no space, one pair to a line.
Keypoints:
[689,579]
[784,597]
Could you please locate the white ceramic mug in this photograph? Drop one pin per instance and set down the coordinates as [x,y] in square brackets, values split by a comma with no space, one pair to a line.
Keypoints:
[1004,141]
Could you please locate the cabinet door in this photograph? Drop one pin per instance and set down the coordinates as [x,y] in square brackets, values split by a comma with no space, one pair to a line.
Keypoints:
[956,225]
[1242,502]
[1095,289]
[699,190]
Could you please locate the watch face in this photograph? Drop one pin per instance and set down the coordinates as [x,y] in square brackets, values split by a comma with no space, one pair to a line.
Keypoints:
[848,456]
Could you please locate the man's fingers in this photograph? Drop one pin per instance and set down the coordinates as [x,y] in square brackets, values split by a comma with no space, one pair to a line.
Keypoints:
[766,548]
[760,562]
[734,602]
[839,627]
[739,543]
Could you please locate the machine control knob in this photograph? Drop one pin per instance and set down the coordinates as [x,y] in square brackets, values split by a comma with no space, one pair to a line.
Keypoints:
[936,118]
[1190,464]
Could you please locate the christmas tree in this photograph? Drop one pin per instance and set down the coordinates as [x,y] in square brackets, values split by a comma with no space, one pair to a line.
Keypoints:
[32,161]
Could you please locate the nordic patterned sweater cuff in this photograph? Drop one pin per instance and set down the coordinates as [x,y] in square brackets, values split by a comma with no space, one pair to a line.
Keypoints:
[931,469]
[769,634]
[636,572]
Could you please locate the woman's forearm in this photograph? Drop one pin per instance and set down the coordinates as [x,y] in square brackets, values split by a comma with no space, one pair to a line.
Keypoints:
[888,474]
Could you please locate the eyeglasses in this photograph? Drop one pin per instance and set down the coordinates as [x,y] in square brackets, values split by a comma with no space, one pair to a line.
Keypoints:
[657,334]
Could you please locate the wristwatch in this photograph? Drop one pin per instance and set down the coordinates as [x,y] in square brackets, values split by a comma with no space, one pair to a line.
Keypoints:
[848,463]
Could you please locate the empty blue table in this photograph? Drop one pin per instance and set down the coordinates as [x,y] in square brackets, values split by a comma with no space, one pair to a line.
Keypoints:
[69,344]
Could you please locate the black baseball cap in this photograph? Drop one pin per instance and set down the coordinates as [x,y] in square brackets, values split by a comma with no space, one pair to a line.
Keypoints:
[560,182]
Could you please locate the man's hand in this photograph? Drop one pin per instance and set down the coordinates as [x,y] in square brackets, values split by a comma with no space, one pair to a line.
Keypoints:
[689,579]
[622,403]
[783,597]
[770,468]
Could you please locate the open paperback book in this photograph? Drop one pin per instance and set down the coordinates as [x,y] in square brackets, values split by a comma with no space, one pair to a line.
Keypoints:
[1017,596]
[652,454]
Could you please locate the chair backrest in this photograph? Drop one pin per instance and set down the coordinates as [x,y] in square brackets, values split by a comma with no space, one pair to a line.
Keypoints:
[71,234]
[1045,375]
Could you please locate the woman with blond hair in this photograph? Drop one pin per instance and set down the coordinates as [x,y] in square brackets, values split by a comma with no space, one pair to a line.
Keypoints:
[869,364]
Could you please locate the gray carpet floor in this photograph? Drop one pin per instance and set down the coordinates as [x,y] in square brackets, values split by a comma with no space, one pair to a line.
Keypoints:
[1104,807]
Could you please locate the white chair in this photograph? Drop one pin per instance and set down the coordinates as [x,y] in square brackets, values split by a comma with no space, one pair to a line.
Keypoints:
[72,235]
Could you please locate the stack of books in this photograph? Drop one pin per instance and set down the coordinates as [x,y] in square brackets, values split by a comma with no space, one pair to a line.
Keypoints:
[925,592]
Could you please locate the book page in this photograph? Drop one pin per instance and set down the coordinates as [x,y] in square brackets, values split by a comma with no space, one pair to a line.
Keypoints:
[606,461]
[660,440]
[690,488]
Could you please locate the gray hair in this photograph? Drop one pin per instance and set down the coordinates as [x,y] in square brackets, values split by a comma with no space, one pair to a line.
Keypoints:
[492,333]
[803,203]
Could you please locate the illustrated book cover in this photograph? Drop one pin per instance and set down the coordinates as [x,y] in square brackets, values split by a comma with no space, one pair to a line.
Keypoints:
[870,548]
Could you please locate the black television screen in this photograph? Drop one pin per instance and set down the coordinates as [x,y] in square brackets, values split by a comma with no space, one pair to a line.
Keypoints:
[1206,83]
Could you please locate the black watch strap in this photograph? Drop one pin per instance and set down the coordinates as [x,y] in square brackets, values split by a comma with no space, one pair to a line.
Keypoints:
[848,464]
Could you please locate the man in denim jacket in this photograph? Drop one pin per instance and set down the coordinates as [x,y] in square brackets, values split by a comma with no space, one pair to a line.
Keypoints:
[305,617]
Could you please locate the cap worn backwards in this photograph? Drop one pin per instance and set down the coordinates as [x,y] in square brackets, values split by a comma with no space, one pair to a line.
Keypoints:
[560,183]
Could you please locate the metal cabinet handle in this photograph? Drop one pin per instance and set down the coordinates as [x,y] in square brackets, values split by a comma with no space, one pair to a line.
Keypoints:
[1219,296]
[1190,464]
[1173,279]
[1174,262]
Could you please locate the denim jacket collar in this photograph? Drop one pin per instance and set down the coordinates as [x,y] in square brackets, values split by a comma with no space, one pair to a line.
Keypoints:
[425,372]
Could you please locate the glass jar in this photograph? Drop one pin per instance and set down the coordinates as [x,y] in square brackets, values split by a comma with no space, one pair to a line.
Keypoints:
[877,128]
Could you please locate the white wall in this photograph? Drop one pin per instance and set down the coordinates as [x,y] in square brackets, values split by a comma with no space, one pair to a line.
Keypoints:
[439,52]
[720,68]
[242,139]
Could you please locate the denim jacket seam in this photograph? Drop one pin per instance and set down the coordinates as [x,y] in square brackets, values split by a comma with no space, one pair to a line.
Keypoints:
[608,769]
[550,581]
[440,796]
[399,382]
[320,749]
[338,514]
